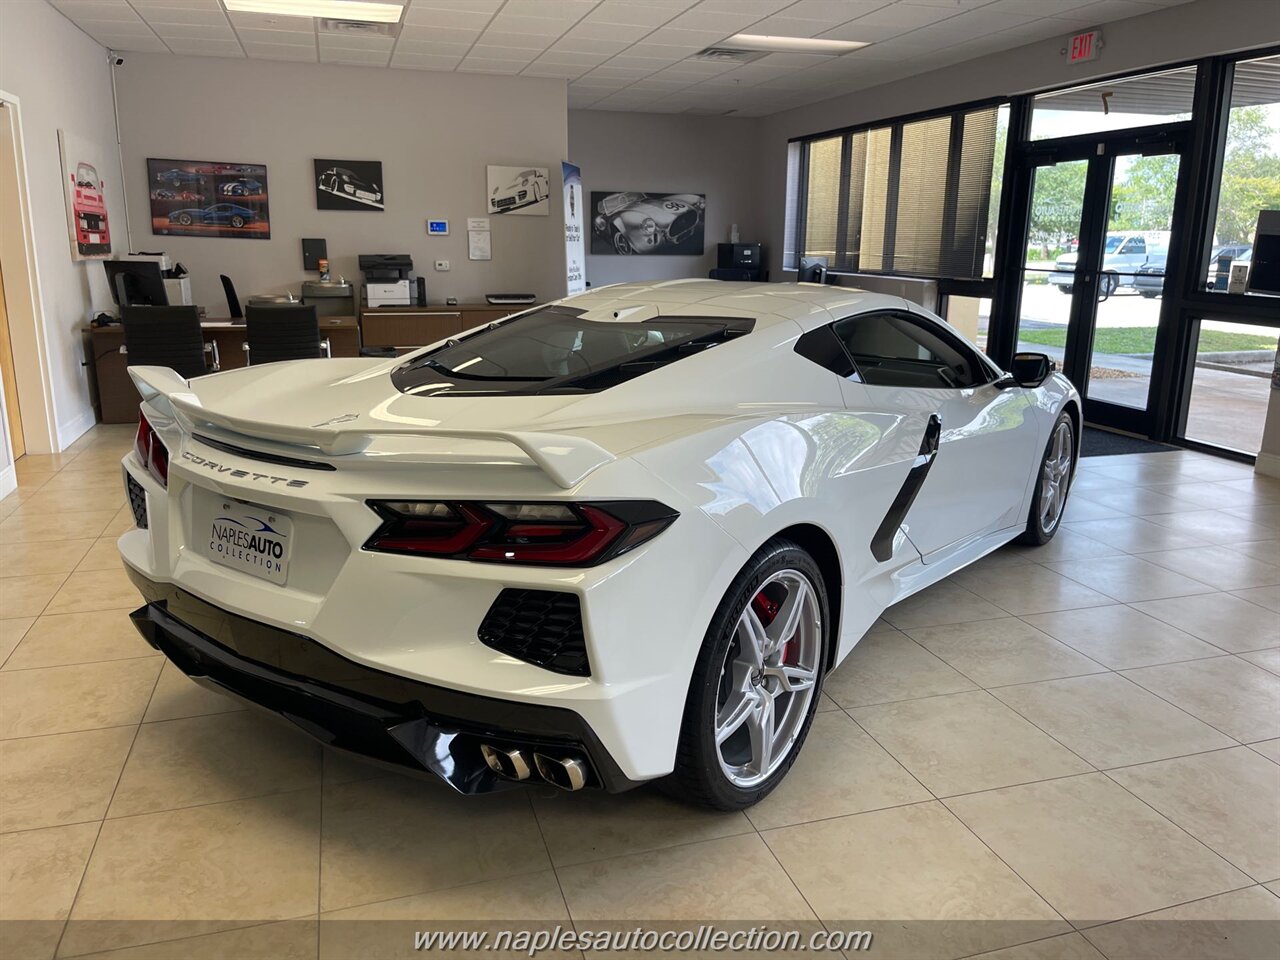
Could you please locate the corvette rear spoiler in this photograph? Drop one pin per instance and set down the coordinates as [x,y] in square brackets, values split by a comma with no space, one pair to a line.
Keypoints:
[565,458]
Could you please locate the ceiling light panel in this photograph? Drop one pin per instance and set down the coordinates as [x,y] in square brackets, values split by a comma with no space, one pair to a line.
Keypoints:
[776,44]
[367,11]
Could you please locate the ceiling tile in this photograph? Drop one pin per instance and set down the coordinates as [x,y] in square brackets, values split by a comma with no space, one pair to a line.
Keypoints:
[488,51]
[101,11]
[640,63]
[715,21]
[208,16]
[366,58]
[344,41]
[569,58]
[194,31]
[277,38]
[1104,11]
[443,34]
[280,51]
[906,15]
[759,8]
[563,71]
[416,61]
[784,25]
[262,21]
[484,6]
[584,45]
[619,11]
[467,19]
[115,28]
[593,30]
[477,65]
[538,26]
[550,9]
[524,41]
[979,24]
[206,48]
[432,48]
[133,44]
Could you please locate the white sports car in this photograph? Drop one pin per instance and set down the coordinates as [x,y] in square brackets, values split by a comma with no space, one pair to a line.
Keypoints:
[617,538]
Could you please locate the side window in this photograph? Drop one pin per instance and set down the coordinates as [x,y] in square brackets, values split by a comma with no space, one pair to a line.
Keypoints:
[1136,245]
[898,350]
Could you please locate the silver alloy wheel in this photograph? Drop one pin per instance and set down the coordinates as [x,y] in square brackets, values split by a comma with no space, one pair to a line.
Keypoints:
[1055,477]
[768,678]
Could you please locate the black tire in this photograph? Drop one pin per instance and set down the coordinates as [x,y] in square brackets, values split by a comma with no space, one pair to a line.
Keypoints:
[1148,294]
[698,777]
[1108,286]
[1065,288]
[621,244]
[1038,532]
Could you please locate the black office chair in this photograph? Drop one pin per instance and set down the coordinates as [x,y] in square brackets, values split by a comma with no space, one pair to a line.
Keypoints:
[285,332]
[233,301]
[167,337]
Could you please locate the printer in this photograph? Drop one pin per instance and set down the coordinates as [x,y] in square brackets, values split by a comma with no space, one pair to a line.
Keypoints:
[388,280]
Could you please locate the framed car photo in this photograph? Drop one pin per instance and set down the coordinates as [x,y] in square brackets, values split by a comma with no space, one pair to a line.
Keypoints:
[199,198]
[626,222]
[349,185]
[519,190]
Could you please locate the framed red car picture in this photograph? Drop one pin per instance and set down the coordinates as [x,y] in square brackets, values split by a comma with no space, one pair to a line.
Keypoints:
[86,195]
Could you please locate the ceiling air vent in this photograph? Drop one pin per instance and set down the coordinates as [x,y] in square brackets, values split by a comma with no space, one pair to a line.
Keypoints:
[728,55]
[357,28]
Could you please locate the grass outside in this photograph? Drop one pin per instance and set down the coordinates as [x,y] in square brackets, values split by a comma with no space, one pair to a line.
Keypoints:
[1143,340]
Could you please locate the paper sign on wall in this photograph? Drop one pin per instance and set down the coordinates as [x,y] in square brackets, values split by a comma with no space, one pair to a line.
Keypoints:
[479,246]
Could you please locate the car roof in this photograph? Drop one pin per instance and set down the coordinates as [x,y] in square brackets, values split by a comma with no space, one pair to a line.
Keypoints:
[809,304]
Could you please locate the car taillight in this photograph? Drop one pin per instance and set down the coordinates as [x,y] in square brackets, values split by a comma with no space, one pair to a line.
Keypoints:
[557,534]
[152,451]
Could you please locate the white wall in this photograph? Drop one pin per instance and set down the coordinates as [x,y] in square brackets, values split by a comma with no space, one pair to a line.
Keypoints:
[62,81]
[1185,32]
[433,132]
[667,153]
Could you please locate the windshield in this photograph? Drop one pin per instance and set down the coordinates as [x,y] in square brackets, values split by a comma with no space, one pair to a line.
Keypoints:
[615,202]
[554,348]
[1113,242]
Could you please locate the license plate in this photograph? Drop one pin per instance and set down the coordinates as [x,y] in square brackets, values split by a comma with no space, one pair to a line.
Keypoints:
[253,540]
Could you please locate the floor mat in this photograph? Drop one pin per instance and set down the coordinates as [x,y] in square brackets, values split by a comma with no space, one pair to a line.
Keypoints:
[1104,443]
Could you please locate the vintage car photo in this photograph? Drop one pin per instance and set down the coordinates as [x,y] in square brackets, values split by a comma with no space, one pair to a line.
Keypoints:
[412,594]
[85,197]
[349,185]
[629,222]
[521,190]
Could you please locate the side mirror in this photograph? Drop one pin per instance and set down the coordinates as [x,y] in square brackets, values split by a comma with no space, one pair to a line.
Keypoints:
[1031,369]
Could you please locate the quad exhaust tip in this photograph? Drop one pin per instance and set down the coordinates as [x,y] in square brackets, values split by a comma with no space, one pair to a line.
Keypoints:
[567,773]
[512,764]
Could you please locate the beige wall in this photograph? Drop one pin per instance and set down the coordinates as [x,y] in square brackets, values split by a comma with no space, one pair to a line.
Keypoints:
[1180,33]
[62,81]
[433,132]
[668,153]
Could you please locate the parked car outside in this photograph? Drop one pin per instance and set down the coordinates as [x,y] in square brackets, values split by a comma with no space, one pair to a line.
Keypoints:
[1123,252]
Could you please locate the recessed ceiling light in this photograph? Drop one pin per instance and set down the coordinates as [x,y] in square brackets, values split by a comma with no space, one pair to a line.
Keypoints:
[758,41]
[367,11]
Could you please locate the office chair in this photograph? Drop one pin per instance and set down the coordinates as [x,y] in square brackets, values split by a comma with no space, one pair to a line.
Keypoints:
[167,337]
[285,332]
[233,302]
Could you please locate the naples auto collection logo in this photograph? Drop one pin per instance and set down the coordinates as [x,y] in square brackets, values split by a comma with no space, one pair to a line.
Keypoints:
[255,542]
[239,474]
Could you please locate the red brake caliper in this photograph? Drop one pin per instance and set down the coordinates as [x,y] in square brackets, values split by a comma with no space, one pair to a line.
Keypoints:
[767,610]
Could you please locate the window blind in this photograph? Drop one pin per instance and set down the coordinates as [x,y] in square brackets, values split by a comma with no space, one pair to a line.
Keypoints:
[911,198]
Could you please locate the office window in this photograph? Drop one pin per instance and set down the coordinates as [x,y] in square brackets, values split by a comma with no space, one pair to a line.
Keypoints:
[1146,100]
[1250,180]
[822,198]
[910,199]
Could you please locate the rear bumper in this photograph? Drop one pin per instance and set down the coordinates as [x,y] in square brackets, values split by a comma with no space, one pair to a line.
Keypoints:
[347,705]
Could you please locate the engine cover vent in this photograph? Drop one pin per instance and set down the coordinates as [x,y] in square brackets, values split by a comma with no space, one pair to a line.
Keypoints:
[357,28]
[728,55]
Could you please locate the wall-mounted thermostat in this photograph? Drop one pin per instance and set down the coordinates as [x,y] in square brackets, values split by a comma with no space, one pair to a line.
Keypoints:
[438,228]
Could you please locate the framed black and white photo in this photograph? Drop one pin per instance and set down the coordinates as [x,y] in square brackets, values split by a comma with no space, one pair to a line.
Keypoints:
[349,185]
[625,222]
[520,190]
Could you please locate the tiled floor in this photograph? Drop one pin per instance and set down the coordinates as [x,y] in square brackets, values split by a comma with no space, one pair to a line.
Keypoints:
[1065,752]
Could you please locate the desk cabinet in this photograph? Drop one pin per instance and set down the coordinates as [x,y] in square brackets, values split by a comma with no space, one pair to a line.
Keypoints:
[117,398]
[408,327]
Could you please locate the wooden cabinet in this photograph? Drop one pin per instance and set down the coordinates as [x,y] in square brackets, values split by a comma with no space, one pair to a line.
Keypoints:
[410,327]
[114,393]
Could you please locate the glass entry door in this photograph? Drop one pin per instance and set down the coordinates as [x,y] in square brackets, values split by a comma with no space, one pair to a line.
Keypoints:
[1094,273]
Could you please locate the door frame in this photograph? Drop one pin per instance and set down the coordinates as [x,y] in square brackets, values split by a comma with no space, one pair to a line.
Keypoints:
[1100,151]
[23,302]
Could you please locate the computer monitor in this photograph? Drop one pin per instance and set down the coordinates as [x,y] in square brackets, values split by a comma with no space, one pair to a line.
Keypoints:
[136,283]
[813,270]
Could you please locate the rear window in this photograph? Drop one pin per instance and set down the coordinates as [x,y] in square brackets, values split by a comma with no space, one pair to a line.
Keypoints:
[554,350]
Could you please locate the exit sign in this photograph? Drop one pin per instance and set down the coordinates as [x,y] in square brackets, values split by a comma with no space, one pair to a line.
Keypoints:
[1084,46]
